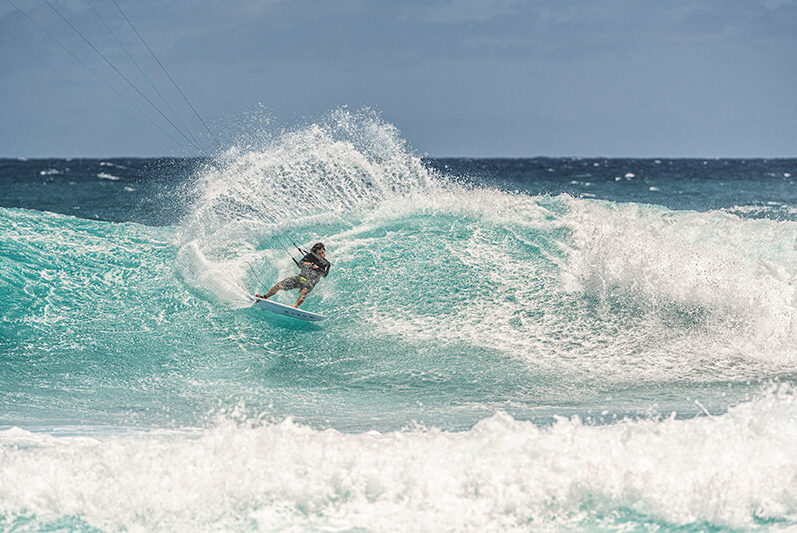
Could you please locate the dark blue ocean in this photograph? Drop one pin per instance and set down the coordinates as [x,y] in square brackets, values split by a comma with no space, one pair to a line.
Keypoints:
[555,344]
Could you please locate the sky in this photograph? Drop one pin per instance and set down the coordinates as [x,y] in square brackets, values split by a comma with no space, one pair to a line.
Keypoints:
[472,78]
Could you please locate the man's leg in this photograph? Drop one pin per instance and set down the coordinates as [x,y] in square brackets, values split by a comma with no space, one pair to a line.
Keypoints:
[302,296]
[272,291]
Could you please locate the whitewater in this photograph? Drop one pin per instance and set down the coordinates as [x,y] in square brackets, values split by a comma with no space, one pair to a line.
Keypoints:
[551,344]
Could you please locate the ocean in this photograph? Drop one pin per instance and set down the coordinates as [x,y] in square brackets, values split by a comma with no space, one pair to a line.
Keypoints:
[545,344]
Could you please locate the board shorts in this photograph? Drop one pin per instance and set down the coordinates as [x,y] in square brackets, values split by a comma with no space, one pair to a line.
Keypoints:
[298,282]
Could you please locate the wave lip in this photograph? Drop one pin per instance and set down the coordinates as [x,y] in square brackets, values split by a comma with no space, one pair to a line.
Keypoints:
[350,160]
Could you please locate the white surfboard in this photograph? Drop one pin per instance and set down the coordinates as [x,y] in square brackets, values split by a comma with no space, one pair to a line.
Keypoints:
[287,310]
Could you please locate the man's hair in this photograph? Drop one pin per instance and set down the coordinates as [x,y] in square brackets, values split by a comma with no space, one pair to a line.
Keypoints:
[317,247]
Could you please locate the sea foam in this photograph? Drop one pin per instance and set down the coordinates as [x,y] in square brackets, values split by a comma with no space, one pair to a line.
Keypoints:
[735,470]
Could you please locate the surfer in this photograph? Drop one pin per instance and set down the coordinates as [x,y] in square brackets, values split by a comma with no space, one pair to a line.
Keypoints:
[312,268]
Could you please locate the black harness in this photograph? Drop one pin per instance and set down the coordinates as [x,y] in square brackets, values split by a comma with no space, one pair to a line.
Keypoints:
[320,266]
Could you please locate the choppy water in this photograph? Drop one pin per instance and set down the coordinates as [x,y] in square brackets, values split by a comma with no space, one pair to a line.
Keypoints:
[542,344]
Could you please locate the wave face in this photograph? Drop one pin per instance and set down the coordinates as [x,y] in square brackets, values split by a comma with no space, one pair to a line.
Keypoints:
[510,354]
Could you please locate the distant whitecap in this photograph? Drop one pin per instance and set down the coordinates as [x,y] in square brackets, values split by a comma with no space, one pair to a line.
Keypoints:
[106,176]
[109,164]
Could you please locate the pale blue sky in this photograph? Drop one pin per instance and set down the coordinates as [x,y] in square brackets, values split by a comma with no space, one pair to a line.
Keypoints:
[457,77]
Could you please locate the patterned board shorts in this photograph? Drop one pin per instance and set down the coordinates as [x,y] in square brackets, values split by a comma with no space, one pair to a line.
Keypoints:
[298,282]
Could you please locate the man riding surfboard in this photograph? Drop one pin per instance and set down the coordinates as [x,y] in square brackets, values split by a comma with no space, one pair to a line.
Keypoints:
[312,268]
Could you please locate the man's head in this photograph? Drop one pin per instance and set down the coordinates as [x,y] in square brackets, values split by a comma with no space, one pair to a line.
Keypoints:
[318,249]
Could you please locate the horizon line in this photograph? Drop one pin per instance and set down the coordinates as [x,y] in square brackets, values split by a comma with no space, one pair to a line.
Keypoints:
[423,156]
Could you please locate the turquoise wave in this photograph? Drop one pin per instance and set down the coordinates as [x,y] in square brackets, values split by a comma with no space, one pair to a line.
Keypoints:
[473,298]
[447,301]
[493,360]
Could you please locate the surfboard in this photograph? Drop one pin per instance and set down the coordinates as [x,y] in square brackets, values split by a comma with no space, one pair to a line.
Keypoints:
[287,310]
